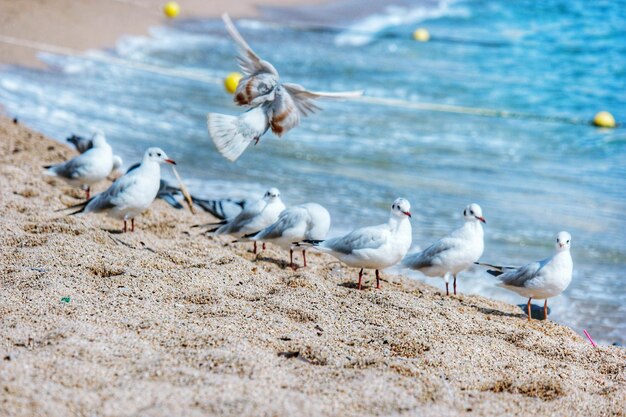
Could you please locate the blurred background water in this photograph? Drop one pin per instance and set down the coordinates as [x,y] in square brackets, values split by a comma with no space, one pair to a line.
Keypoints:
[532,178]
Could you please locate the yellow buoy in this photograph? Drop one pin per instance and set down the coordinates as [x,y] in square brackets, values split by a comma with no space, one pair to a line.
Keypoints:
[231,81]
[171,9]
[604,119]
[421,35]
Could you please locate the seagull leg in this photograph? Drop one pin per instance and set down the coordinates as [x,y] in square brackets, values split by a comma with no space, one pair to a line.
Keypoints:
[360,277]
[263,246]
[545,309]
[291,264]
[377,280]
[124,226]
[446,278]
[132,225]
[88,191]
[528,308]
[254,251]
[304,256]
[454,284]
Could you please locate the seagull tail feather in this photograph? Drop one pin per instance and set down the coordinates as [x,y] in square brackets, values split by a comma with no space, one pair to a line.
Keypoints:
[227,136]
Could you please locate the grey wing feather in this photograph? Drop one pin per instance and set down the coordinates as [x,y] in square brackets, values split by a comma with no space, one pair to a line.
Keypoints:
[366,238]
[72,169]
[426,257]
[109,198]
[287,219]
[249,61]
[520,276]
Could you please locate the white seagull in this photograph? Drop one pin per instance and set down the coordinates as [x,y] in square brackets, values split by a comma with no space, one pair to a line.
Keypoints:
[87,168]
[273,104]
[541,280]
[304,222]
[254,217]
[82,145]
[132,193]
[374,247]
[455,252]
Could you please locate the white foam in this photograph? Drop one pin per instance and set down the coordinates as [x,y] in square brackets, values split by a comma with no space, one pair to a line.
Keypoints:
[365,30]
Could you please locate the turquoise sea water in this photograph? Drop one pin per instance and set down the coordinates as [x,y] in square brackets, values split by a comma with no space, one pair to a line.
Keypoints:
[533,178]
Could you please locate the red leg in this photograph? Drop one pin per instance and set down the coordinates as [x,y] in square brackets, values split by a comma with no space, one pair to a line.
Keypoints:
[263,245]
[304,256]
[377,280]
[88,191]
[132,225]
[528,308]
[447,291]
[454,284]
[545,310]
[291,264]
[124,226]
[360,277]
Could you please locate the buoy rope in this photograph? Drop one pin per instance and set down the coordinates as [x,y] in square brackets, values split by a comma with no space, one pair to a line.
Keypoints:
[204,78]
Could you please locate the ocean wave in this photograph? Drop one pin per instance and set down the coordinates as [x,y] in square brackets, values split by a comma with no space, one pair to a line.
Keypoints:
[365,30]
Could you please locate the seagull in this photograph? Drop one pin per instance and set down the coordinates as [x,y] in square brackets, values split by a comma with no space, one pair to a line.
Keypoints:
[130,194]
[87,168]
[272,104]
[82,145]
[541,280]
[256,216]
[304,222]
[374,247]
[455,252]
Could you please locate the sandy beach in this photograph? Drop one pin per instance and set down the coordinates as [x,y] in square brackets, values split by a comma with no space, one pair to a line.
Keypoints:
[91,24]
[164,321]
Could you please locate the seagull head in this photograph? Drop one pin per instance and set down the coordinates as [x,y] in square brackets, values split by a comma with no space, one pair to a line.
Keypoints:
[563,241]
[271,195]
[99,140]
[157,155]
[473,213]
[401,208]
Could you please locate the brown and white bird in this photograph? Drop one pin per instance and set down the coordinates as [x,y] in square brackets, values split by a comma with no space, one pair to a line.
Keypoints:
[273,104]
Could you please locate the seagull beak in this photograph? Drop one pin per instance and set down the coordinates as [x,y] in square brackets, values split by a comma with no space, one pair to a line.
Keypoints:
[561,245]
[482,219]
[170,161]
[408,213]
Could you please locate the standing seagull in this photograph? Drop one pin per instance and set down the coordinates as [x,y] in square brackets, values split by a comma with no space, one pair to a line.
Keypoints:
[304,222]
[455,252]
[272,103]
[374,247]
[132,193]
[256,216]
[82,145]
[542,280]
[87,168]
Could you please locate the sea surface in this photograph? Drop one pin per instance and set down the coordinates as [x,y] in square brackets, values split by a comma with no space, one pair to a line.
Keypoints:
[559,60]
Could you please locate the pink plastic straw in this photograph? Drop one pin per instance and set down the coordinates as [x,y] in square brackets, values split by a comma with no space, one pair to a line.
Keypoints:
[590,339]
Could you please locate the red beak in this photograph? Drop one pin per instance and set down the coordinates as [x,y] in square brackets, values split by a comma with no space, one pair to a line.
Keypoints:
[170,161]
[408,213]
[482,219]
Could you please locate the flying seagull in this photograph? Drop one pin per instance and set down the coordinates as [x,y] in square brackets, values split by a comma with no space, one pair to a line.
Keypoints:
[273,104]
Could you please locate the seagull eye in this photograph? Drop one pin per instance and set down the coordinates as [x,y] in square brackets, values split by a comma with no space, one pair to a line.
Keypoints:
[158,154]
[567,241]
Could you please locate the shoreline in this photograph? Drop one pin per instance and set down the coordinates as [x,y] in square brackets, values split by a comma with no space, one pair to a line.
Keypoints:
[94,24]
[164,321]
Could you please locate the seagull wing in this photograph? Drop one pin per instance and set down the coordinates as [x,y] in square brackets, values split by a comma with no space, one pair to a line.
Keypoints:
[365,238]
[249,61]
[428,257]
[521,276]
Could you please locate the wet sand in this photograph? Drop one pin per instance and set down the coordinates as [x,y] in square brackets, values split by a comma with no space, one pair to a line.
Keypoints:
[165,321]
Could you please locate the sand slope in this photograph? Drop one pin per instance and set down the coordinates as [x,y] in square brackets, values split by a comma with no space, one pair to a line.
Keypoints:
[162,322]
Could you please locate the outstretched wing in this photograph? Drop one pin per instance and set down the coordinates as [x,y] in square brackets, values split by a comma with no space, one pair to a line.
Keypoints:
[260,76]
[250,62]
[292,101]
